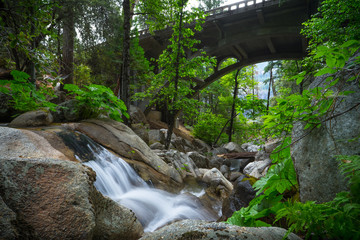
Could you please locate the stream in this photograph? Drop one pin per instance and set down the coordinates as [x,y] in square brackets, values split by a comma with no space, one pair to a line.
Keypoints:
[116,179]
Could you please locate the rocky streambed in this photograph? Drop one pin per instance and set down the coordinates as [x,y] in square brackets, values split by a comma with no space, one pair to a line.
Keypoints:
[48,192]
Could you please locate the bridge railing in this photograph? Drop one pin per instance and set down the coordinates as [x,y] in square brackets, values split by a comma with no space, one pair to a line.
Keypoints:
[236,6]
[242,5]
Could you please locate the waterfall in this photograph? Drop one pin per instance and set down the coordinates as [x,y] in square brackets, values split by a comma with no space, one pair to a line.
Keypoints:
[116,179]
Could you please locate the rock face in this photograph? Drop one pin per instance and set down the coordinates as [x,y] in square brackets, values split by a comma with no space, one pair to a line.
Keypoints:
[313,155]
[123,141]
[43,195]
[32,119]
[195,229]
[53,199]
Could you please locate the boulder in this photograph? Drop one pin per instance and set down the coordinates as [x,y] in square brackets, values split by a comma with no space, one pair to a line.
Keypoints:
[239,197]
[199,160]
[197,229]
[233,147]
[257,169]
[54,199]
[270,146]
[218,150]
[142,131]
[7,218]
[154,136]
[32,119]
[137,116]
[123,141]
[157,145]
[215,177]
[182,163]
[238,165]
[314,152]
[250,147]
[46,196]
[201,146]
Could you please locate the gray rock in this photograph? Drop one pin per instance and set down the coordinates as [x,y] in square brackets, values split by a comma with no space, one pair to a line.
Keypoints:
[137,116]
[262,155]
[238,165]
[250,147]
[122,140]
[218,150]
[199,160]
[32,119]
[196,229]
[233,147]
[7,218]
[225,170]
[239,197]
[313,154]
[142,131]
[215,177]
[270,146]
[182,163]
[154,136]
[157,145]
[256,169]
[201,146]
[55,199]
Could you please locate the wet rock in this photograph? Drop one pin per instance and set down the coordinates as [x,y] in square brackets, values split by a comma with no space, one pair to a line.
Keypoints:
[238,165]
[196,229]
[233,147]
[32,119]
[123,141]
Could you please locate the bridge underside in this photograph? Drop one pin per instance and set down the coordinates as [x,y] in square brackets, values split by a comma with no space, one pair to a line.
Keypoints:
[252,34]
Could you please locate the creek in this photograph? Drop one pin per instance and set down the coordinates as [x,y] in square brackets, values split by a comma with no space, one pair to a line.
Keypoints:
[116,179]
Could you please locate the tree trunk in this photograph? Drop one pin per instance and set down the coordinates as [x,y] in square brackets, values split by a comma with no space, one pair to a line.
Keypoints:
[174,112]
[233,105]
[125,73]
[67,65]
[268,97]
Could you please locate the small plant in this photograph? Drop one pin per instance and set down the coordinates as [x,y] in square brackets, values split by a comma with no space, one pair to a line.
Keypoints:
[99,100]
[25,96]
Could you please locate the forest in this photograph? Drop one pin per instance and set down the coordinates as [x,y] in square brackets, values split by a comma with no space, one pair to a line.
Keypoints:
[55,50]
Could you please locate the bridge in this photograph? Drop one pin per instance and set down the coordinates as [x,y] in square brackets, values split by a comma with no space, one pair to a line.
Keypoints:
[251,31]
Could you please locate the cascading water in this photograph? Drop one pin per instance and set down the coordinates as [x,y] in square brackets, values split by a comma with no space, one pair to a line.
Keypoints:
[116,179]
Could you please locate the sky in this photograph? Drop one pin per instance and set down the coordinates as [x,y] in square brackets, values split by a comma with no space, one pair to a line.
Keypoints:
[195,3]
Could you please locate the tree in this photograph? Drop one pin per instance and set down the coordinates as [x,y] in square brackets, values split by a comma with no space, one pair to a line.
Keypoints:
[24,26]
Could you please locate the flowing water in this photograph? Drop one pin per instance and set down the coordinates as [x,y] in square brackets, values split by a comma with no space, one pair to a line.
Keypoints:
[116,179]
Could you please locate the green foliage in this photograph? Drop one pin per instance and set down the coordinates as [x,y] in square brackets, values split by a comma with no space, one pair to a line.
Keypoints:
[271,189]
[337,219]
[336,22]
[98,100]
[208,127]
[311,106]
[25,96]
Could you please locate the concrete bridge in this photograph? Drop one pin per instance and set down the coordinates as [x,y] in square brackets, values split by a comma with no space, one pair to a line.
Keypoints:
[252,31]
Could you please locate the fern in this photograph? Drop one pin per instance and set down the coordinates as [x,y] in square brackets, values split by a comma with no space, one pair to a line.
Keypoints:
[337,219]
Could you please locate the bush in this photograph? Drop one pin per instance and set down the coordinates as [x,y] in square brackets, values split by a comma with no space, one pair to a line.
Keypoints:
[208,127]
[98,100]
[25,96]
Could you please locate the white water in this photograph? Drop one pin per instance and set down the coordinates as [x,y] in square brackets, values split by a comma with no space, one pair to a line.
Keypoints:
[153,207]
